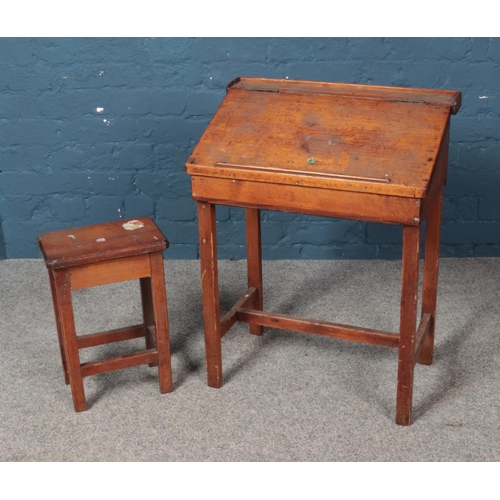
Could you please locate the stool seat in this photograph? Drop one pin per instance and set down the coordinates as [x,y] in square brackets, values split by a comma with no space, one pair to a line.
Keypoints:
[100,242]
[97,255]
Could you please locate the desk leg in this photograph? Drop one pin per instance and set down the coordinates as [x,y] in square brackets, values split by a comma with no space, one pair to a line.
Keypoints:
[431,264]
[254,261]
[408,319]
[210,292]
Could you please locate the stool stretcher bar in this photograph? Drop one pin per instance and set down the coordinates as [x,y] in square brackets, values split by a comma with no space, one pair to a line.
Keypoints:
[147,356]
[93,339]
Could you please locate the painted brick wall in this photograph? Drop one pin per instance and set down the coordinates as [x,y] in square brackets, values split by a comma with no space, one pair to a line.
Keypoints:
[97,129]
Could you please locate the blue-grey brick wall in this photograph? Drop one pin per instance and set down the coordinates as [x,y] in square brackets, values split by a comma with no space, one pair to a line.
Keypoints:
[99,129]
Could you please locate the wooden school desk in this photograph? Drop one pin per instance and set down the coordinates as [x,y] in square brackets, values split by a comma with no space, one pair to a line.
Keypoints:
[360,152]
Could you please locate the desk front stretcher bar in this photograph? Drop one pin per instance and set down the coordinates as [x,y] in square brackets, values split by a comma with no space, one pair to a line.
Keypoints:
[359,152]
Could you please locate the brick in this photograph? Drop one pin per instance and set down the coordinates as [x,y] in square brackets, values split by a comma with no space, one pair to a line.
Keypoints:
[232,252]
[342,231]
[88,75]
[494,49]
[18,50]
[238,213]
[231,233]
[247,49]
[283,50]
[207,50]
[20,238]
[389,252]
[70,104]
[167,102]
[369,48]
[29,131]
[320,252]
[330,49]
[68,208]
[489,209]
[125,102]
[99,157]
[279,252]
[181,252]
[324,71]
[383,233]
[67,157]
[138,205]
[134,156]
[177,209]
[179,233]
[170,130]
[3,248]
[14,208]
[360,251]
[480,158]
[222,213]
[16,105]
[203,103]
[486,250]
[463,208]
[101,183]
[449,49]
[280,216]
[24,157]
[102,208]
[26,78]
[481,104]
[465,184]
[470,232]
[167,50]
[479,128]
[21,183]
[404,49]
[152,183]
[479,49]
[164,182]
[98,129]
[456,251]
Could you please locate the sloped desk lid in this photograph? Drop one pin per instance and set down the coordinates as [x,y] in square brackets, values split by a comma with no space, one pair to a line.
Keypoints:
[361,138]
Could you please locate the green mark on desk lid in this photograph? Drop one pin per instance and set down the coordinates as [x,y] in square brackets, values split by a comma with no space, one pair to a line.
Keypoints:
[311,160]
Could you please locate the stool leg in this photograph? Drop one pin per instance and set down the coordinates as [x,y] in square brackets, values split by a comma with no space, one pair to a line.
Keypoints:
[159,298]
[58,325]
[210,292]
[148,314]
[254,261]
[408,319]
[67,321]
[431,264]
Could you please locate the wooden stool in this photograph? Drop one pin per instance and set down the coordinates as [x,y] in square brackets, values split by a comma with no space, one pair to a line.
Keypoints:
[98,255]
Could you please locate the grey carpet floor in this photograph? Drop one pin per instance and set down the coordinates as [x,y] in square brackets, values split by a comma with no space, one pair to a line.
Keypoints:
[286,396]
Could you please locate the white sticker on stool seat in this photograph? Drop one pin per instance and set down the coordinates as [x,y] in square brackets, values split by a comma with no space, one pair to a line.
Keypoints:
[133,224]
